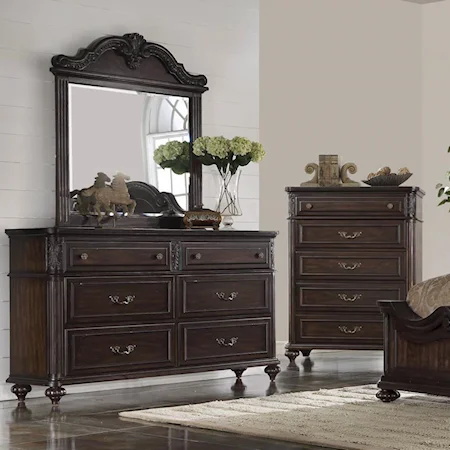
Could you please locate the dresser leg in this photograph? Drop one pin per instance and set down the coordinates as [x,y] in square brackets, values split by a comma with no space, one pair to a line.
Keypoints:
[387,395]
[21,391]
[292,355]
[306,352]
[55,392]
[272,371]
[239,372]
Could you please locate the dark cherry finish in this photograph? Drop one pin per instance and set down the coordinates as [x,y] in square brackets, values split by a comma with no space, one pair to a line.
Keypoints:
[123,62]
[416,351]
[349,248]
[97,304]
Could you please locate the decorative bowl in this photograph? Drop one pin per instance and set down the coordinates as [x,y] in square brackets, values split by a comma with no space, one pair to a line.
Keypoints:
[388,180]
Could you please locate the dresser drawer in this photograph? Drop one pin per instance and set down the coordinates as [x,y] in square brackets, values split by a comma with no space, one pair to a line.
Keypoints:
[114,299]
[349,205]
[344,328]
[228,294]
[346,296]
[224,255]
[221,341]
[99,350]
[117,257]
[350,233]
[346,264]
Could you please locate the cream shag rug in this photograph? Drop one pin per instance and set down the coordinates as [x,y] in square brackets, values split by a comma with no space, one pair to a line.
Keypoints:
[347,418]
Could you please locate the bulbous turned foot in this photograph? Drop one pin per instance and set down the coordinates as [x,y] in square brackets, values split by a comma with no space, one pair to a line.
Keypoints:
[306,352]
[21,391]
[292,354]
[387,395]
[272,371]
[55,394]
[239,372]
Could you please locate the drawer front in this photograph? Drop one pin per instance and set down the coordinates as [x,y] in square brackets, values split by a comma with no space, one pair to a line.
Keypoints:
[349,205]
[226,255]
[226,294]
[351,264]
[221,341]
[350,233]
[117,257]
[94,351]
[347,296]
[321,329]
[119,300]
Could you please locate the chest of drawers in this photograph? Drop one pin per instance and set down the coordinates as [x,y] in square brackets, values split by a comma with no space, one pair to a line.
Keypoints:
[91,305]
[349,247]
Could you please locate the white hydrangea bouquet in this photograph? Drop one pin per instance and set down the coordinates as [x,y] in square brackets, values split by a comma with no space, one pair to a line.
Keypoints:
[228,155]
[173,155]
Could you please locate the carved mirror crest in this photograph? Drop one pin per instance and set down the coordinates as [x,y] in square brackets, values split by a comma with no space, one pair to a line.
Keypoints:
[117,101]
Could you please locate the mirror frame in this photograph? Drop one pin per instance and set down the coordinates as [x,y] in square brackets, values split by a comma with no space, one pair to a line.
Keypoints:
[124,62]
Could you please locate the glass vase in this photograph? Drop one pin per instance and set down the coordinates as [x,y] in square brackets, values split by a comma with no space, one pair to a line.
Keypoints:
[228,197]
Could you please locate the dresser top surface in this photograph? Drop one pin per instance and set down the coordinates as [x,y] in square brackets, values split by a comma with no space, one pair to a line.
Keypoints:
[369,190]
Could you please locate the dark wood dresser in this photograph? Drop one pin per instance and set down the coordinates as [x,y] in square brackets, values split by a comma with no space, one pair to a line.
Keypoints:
[93,304]
[349,248]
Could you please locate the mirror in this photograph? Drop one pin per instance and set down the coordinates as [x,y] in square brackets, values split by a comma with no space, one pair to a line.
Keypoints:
[116,130]
[116,102]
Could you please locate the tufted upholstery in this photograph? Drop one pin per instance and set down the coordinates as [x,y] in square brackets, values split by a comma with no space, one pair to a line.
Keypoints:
[427,296]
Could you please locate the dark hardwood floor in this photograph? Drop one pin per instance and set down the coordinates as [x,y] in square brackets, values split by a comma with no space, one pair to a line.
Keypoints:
[91,422]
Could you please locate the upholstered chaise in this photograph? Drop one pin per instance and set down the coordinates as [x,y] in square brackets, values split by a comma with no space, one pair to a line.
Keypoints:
[417,341]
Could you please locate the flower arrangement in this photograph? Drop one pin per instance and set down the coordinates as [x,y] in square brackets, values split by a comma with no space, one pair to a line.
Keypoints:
[444,190]
[174,155]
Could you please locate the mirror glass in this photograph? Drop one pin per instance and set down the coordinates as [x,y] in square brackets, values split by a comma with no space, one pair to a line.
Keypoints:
[113,130]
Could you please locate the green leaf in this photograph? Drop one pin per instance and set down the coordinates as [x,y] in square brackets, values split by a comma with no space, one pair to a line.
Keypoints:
[442,202]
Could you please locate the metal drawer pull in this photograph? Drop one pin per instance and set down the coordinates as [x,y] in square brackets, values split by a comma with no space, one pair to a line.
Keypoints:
[128,349]
[308,206]
[260,255]
[198,256]
[350,236]
[230,298]
[390,205]
[223,342]
[344,265]
[84,256]
[349,299]
[127,301]
[344,329]
[159,256]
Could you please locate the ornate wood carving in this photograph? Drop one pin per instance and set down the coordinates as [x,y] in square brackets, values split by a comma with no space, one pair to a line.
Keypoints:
[411,205]
[134,48]
[175,256]
[292,200]
[54,254]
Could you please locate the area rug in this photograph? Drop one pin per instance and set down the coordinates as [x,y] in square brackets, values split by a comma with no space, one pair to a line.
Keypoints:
[347,418]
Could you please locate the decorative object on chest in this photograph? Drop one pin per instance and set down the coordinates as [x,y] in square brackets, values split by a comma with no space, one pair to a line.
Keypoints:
[136,296]
[349,248]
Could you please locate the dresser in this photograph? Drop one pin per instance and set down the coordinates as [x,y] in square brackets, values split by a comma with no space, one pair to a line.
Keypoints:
[96,304]
[349,248]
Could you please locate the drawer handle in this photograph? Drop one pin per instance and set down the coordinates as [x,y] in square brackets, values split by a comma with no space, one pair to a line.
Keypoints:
[117,351]
[260,255]
[230,298]
[159,256]
[127,301]
[344,265]
[308,206]
[345,330]
[350,236]
[223,342]
[198,256]
[84,256]
[390,205]
[349,299]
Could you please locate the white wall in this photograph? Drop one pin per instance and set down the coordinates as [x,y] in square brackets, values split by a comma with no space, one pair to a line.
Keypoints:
[340,77]
[436,135]
[214,37]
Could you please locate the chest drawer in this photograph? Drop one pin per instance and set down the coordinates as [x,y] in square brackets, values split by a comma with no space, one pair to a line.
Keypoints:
[339,328]
[113,299]
[220,295]
[389,206]
[347,264]
[225,255]
[350,233]
[103,256]
[92,351]
[346,295]
[221,341]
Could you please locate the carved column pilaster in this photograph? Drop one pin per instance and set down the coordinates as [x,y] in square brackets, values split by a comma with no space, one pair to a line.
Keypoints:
[175,256]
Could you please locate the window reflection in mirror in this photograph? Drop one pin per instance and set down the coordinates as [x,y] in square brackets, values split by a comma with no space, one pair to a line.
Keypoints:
[113,130]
